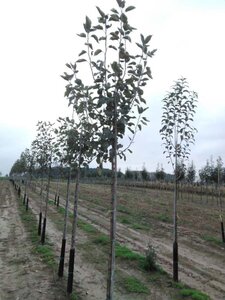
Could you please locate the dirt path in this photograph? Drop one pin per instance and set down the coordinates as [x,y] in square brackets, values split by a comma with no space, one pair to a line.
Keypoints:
[23,275]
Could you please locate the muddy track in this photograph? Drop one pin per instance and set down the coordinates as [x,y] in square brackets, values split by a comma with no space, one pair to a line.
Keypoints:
[200,266]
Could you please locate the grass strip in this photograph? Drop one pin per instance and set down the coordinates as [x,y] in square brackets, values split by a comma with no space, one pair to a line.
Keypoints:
[45,251]
[189,293]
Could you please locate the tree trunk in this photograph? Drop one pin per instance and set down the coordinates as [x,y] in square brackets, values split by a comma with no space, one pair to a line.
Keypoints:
[175,240]
[40,223]
[63,247]
[46,208]
[73,236]
[111,261]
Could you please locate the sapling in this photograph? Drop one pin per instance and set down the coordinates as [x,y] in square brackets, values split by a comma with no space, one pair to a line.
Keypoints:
[177,134]
[114,93]
[65,155]
[44,146]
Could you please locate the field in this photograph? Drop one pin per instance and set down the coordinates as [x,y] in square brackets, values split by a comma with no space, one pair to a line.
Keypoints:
[144,218]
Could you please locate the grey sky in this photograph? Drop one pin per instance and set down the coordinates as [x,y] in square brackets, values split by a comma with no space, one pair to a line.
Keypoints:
[39,37]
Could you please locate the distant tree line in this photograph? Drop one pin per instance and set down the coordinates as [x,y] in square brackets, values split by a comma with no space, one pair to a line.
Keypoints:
[208,174]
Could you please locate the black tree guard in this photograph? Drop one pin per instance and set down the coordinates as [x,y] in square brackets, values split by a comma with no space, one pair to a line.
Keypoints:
[27,204]
[39,223]
[62,258]
[70,274]
[175,261]
[24,198]
[43,231]
[222,231]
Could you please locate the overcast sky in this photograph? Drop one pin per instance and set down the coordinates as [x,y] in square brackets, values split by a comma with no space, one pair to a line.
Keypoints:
[39,37]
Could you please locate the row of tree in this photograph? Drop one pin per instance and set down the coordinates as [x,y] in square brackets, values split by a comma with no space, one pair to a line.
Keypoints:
[107,102]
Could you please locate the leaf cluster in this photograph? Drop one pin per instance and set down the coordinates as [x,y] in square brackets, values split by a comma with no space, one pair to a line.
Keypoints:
[43,145]
[115,97]
[177,131]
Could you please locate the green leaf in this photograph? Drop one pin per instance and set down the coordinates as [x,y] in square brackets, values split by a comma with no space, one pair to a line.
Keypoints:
[114,10]
[113,47]
[69,66]
[147,39]
[95,37]
[81,60]
[123,18]
[121,3]
[97,51]
[149,73]
[82,35]
[89,45]
[67,76]
[87,25]
[101,12]
[82,52]
[130,8]
[98,27]
[151,53]
[139,126]
[115,67]
[139,45]
[114,17]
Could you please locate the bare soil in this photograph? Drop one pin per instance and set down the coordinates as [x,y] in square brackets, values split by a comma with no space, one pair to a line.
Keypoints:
[22,274]
[201,261]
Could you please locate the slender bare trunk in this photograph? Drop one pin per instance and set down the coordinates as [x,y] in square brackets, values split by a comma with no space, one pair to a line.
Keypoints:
[73,236]
[111,262]
[63,247]
[46,208]
[175,239]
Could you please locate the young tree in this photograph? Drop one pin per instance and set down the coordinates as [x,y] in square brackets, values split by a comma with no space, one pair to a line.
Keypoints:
[129,174]
[191,173]
[177,134]
[43,146]
[144,174]
[62,151]
[160,173]
[114,95]
[219,169]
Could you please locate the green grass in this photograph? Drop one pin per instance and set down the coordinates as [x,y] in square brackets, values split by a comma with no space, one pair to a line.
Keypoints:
[123,209]
[186,292]
[213,239]
[140,226]
[86,227]
[164,218]
[45,251]
[47,254]
[127,254]
[101,240]
[124,220]
[194,294]
[133,285]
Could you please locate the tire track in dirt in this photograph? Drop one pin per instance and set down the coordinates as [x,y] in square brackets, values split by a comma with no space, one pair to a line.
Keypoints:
[86,278]
[197,268]
[90,282]
[23,275]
